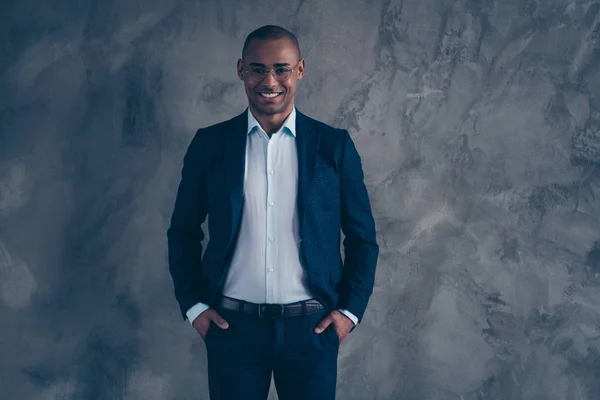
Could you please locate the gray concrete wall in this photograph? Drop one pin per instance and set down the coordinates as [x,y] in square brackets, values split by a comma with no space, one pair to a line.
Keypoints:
[479,127]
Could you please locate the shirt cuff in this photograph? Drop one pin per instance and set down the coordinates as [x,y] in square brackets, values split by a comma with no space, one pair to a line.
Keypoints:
[194,311]
[349,315]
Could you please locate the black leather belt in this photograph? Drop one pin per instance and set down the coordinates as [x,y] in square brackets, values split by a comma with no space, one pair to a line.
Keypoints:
[267,310]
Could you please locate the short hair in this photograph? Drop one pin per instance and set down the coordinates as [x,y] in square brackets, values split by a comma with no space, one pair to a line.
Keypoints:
[270,32]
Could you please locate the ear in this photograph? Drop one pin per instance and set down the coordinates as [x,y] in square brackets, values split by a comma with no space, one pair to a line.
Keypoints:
[301,66]
[240,69]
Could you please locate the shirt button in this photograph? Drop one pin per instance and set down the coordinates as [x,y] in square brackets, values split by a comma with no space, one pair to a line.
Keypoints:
[271,239]
[271,172]
[271,203]
[270,269]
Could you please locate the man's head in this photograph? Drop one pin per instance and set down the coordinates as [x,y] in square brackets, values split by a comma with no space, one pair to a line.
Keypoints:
[269,52]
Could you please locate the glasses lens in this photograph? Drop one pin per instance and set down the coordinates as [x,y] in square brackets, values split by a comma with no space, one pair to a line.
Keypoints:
[258,74]
[282,74]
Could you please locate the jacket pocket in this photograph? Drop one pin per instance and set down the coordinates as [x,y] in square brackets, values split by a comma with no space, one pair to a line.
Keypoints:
[325,170]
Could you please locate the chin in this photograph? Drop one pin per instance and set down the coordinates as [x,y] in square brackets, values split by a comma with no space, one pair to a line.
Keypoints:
[271,108]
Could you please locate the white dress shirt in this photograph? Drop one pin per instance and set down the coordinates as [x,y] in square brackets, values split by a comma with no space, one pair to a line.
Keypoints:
[266,267]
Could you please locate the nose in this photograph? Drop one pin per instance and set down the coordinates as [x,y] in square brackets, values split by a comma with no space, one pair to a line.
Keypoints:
[270,80]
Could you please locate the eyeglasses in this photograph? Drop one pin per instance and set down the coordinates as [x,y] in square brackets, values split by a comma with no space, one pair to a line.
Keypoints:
[281,74]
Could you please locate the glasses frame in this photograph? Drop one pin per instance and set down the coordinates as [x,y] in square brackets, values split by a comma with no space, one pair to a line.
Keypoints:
[270,71]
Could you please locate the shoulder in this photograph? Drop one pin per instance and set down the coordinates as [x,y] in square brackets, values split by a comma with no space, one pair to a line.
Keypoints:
[208,134]
[327,132]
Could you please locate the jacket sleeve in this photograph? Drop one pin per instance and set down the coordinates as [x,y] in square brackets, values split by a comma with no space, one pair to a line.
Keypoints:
[185,233]
[360,243]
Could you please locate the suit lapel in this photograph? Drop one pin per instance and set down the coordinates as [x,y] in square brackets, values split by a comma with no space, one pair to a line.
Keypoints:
[235,158]
[307,145]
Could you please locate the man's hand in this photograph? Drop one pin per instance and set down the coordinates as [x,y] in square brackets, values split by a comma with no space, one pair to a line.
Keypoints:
[341,323]
[202,321]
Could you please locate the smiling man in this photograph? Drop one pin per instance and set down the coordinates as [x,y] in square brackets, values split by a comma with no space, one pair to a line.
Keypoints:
[271,295]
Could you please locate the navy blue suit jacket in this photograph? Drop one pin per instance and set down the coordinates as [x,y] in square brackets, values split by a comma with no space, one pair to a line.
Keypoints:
[331,195]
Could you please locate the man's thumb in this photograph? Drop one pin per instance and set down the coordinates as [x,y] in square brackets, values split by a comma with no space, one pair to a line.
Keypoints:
[217,319]
[322,326]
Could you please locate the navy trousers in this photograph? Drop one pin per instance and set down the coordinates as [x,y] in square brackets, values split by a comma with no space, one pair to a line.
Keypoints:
[242,358]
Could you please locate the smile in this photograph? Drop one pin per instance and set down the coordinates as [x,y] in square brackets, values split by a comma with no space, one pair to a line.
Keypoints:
[270,95]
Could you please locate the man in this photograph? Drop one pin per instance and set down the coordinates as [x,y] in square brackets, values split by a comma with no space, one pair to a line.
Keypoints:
[271,294]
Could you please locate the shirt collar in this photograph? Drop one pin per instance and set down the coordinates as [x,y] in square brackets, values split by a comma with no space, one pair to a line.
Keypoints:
[289,123]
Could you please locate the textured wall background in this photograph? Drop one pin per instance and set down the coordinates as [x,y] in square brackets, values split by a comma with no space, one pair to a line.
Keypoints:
[479,126]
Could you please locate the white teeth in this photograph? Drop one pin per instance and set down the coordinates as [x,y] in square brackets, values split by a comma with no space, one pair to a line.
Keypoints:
[269,94]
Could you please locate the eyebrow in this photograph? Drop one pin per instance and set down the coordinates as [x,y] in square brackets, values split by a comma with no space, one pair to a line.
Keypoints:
[254,64]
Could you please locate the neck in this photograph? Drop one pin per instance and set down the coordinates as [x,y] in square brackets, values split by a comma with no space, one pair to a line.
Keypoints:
[271,123]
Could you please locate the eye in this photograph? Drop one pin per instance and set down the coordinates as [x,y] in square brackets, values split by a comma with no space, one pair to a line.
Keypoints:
[257,70]
[282,70]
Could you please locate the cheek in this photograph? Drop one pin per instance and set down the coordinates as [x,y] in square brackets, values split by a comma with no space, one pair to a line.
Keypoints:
[290,88]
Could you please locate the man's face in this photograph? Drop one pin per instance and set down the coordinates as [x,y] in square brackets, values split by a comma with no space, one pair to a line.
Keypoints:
[270,54]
